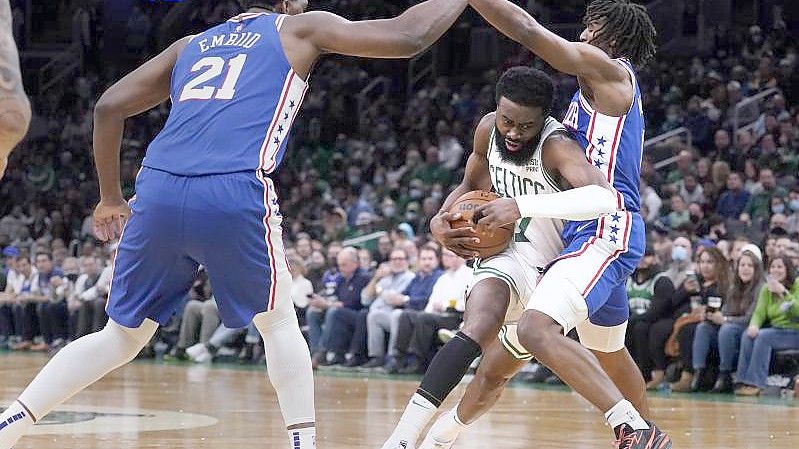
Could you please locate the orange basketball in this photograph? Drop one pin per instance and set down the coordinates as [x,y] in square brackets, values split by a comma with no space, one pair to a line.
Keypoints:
[489,245]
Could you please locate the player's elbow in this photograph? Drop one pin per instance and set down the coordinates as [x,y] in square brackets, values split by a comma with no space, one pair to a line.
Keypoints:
[412,45]
[107,107]
[15,119]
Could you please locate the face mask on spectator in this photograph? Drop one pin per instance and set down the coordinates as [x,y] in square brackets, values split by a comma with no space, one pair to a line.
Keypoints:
[794,205]
[778,208]
[411,216]
[389,211]
[415,193]
[679,254]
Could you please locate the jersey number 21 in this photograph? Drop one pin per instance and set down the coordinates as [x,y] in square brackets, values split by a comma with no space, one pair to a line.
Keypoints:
[211,67]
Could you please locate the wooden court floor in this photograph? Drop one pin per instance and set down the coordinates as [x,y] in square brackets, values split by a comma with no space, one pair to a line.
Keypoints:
[148,405]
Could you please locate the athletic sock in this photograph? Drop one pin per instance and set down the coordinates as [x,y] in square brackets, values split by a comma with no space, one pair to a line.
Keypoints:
[448,368]
[15,422]
[417,414]
[625,413]
[304,438]
[447,427]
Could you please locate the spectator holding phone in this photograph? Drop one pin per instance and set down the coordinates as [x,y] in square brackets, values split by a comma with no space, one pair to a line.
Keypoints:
[723,327]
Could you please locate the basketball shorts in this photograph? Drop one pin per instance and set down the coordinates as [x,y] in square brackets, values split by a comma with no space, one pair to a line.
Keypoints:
[585,287]
[510,267]
[228,223]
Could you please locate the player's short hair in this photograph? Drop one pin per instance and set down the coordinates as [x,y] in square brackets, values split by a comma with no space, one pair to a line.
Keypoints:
[626,29]
[267,4]
[528,87]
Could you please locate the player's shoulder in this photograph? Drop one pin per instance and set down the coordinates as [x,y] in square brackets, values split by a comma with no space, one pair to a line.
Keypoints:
[482,134]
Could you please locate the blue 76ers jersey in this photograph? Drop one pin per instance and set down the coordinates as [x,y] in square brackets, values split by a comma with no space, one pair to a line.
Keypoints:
[234,99]
[614,145]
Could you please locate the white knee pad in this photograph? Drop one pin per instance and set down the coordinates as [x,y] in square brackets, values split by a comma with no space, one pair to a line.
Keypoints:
[601,338]
[133,338]
[278,317]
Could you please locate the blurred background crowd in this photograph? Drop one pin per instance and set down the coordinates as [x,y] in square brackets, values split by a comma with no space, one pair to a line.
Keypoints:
[379,145]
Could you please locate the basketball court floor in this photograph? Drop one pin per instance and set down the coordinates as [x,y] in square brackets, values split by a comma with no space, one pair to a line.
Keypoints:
[149,405]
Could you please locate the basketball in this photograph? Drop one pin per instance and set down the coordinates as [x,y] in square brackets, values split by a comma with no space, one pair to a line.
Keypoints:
[489,245]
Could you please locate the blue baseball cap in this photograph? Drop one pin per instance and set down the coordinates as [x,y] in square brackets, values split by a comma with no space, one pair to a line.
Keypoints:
[11,251]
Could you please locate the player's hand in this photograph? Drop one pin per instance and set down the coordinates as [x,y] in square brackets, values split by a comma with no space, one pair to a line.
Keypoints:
[498,213]
[752,331]
[454,239]
[109,218]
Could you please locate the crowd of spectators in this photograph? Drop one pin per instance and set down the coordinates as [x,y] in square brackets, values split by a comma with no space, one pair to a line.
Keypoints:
[371,288]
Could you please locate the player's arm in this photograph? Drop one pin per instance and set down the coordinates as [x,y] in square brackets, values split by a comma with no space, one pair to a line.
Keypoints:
[575,58]
[15,109]
[140,90]
[400,37]
[476,177]
[586,193]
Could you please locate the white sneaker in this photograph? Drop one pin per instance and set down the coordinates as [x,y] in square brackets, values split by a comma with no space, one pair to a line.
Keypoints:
[199,353]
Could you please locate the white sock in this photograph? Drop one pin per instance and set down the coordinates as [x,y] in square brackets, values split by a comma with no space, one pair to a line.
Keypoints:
[417,414]
[14,423]
[83,362]
[288,363]
[625,413]
[447,427]
[304,438]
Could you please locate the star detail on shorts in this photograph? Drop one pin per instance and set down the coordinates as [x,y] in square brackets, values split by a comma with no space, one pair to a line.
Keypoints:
[613,239]
[601,141]
[616,217]
[279,129]
[291,104]
[598,163]
[277,141]
[286,116]
[614,229]
[600,152]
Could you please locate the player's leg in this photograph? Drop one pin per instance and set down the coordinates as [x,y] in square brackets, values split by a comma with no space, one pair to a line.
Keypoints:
[485,312]
[604,335]
[572,289]
[497,367]
[151,277]
[241,245]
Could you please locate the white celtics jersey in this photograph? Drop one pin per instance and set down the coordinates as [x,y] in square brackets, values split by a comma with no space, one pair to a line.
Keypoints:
[537,240]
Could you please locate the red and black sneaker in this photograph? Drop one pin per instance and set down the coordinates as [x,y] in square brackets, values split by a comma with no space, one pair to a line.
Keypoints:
[651,438]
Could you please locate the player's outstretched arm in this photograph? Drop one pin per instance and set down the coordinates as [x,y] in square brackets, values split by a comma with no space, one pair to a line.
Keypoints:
[575,58]
[586,193]
[400,37]
[140,90]
[15,109]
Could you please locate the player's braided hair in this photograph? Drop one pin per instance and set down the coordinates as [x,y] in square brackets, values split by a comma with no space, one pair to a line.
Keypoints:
[626,29]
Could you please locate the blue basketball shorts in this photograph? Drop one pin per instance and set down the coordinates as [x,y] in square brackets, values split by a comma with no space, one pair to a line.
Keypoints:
[586,284]
[228,223]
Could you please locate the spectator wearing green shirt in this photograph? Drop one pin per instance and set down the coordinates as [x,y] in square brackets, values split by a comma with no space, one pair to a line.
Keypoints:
[758,207]
[777,307]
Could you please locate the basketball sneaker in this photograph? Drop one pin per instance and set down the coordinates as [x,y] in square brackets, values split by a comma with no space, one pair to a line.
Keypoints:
[651,438]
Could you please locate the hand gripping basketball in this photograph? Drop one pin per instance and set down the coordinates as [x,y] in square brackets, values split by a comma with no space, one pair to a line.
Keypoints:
[474,240]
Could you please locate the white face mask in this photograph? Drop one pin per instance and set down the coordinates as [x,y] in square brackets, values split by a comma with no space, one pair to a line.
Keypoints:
[679,254]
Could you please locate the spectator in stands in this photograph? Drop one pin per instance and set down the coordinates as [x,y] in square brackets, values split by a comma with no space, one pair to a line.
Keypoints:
[722,329]
[758,207]
[691,191]
[700,292]
[349,283]
[733,201]
[301,288]
[51,309]
[200,316]
[444,310]
[385,312]
[10,255]
[778,308]
[679,215]
[650,198]
[88,299]
[649,292]
[22,288]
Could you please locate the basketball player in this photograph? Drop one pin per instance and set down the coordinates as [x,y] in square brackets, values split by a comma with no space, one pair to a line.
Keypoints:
[15,110]
[525,155]
[204,193]
[585,286]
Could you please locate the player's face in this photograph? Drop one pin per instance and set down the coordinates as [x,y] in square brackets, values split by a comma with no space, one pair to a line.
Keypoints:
[518,128]
[590,31]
